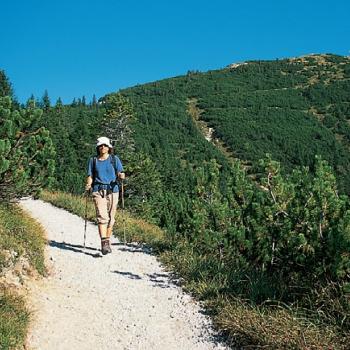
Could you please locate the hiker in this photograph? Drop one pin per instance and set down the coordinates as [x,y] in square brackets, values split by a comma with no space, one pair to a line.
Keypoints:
[103,172]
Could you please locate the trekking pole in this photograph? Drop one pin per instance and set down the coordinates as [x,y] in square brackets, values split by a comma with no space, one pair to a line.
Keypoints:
[123,211]
[86,207]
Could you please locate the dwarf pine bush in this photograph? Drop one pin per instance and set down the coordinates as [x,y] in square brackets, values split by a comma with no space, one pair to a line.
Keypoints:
[26,152]
[292,229]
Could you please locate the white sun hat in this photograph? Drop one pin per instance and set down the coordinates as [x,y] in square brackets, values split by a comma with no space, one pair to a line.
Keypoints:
[104,141]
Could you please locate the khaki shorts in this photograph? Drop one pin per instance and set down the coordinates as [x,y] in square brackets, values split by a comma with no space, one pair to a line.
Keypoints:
[106,206]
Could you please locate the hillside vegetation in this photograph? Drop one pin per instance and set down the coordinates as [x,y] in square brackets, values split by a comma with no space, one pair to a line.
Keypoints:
[257,219]
[291,109]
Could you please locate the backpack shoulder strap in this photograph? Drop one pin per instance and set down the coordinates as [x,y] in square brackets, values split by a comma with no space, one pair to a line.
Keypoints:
[94,168]
[113,160]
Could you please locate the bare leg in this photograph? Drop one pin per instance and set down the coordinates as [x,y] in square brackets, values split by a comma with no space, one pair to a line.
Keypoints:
[109,231]
[112,201]
[102,230]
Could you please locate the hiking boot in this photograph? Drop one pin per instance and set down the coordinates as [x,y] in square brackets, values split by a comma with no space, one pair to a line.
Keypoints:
[105,249]
[109,249]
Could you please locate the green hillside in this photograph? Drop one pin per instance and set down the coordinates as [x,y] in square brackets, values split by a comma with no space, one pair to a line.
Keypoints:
[291,109]
[252,235]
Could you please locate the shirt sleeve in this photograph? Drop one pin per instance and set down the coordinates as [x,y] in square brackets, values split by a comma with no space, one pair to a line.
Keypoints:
[119,165]
[89,167]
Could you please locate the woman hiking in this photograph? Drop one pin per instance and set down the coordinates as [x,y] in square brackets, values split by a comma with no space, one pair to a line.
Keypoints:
[103,173]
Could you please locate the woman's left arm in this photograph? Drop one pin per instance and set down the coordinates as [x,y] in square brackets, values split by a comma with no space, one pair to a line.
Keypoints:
[120,170]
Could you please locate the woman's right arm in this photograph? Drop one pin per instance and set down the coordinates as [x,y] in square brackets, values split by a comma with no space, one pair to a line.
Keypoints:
[88,183]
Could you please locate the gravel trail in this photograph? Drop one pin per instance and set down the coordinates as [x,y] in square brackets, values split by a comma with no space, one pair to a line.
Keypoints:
[124,300]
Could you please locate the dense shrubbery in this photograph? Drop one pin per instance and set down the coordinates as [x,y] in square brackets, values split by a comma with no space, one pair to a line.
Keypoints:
[295,227]
[26,152]
[275,238]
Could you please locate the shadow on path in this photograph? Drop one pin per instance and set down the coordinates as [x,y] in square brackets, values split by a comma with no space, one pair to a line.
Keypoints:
[76,248]
[158,279]
[128,274]
[133,248]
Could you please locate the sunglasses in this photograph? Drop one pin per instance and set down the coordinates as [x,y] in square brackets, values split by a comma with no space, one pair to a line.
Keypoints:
[103,145]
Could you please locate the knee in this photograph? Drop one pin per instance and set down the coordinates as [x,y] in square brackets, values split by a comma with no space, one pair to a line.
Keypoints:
[102,220]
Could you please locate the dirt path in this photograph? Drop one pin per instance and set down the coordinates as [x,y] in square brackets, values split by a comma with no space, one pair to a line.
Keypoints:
[121,301]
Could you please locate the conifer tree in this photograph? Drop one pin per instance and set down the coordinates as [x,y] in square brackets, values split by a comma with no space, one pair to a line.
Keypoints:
[31,102]
[117,123]
[5,85]
[94,101]
[46,101]
[59,104]
[26,152]
[143,186]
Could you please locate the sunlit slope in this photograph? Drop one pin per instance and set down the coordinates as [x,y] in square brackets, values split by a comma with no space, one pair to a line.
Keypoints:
[293,109]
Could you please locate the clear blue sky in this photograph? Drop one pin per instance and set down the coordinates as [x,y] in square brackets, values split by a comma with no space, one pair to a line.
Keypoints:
[74,47]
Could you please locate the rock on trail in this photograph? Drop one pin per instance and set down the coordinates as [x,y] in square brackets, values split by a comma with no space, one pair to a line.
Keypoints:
[124,300]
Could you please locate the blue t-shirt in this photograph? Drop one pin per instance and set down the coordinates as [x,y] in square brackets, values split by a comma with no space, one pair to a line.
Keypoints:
[106,176]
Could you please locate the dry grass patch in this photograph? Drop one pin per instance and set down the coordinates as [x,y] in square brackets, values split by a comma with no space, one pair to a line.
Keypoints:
[274,328]
[14,320]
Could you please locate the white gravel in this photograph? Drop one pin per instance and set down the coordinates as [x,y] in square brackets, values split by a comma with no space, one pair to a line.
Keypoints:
[124,300]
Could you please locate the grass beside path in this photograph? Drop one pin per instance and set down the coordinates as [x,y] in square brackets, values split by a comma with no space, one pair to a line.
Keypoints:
[274,326]
[14,320]
[22,246]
